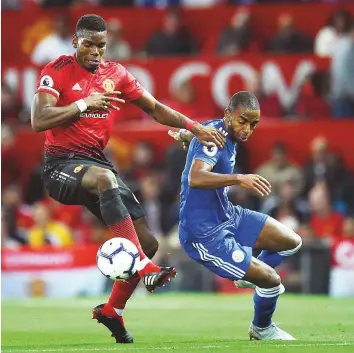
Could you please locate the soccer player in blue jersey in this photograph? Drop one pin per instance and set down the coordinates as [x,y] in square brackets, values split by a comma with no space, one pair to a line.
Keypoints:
[221,236]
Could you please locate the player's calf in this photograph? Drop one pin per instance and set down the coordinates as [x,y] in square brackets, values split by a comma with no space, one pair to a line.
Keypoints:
[147,240]
[266,294]
[262,275]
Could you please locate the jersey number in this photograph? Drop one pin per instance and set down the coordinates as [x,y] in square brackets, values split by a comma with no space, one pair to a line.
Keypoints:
[210,151]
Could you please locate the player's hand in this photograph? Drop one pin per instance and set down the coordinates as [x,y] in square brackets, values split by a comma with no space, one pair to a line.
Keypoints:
[255,183]
[176,135]
[209,136]
[103,101]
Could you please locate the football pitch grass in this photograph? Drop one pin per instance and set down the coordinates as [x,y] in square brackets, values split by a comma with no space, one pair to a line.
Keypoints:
[181,323]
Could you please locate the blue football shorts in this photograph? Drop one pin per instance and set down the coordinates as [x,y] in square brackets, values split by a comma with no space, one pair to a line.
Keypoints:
[227,251]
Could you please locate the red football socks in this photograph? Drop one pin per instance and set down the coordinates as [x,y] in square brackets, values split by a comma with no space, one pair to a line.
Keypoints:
[125,229]
[122,291]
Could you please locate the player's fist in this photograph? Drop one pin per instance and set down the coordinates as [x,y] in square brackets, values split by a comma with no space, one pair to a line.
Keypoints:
[103,101]
[255,183]
[183,136]
[208,136]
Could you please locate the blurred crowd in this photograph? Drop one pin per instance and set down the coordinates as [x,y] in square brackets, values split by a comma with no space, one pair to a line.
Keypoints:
[321,95]
[17,4]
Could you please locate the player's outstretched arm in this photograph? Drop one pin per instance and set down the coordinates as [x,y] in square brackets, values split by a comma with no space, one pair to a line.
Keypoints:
[45,115]
[167,116]
[202,177]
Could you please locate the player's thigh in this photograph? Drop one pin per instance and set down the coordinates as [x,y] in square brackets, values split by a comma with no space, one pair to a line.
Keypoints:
[247,226]
[262,275]
[226,258]
[277,237]
[62,181]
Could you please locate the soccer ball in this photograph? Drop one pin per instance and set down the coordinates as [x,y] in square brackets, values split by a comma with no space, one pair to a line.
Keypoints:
[117,259]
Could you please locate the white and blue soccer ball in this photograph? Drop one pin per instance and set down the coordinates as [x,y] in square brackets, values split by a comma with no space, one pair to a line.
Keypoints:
[118,259]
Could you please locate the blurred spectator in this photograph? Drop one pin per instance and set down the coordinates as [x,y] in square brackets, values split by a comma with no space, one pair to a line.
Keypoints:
[117,47]
[46,231]
[307,234]
[157,3]
[342,76]
[348,227]
[270,104]
[35,190]
[312,103]
[17,215]
[91,230]
[243,197]
[324,166]
[172,39]
[289,39]
[345,193]
[238,35]
[11,4]
[56,44]
[143,161]
[12,110]
[174,162]
[149,191]
[337,26]
[201,3]
[342,269]
[324,221]
[117,2]
[84,3]
[10,160]
[287,207]
[279,169]
[70,215]
[56,3]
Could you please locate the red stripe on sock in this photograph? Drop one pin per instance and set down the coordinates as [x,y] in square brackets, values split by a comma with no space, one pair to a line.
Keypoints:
[125,229]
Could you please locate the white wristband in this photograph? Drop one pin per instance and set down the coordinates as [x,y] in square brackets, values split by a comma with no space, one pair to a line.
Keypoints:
[81,104]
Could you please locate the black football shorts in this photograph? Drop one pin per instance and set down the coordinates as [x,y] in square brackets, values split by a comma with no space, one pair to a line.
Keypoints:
[62,180]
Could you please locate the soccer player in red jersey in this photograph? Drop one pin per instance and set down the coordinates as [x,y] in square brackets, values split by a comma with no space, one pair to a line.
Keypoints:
[74,104]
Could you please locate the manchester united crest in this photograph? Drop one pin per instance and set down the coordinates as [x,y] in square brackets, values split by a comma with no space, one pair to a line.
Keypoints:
[78,168]
[108,85]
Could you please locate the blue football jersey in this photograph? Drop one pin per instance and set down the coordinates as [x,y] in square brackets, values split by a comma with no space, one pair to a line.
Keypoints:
[203,210]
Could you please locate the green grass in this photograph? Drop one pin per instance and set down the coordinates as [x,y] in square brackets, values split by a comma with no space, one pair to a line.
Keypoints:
[180,323]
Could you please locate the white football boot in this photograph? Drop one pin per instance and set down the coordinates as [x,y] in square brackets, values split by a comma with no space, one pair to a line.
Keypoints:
[272,332]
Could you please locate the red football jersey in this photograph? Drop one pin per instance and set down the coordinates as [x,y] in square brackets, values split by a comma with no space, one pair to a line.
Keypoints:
[66,80]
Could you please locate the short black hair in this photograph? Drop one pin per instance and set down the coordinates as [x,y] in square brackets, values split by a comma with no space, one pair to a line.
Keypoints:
[244,98]
[91,23]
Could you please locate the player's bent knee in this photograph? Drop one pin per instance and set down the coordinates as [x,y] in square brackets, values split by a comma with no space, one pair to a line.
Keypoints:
[105,180]
[296,242]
